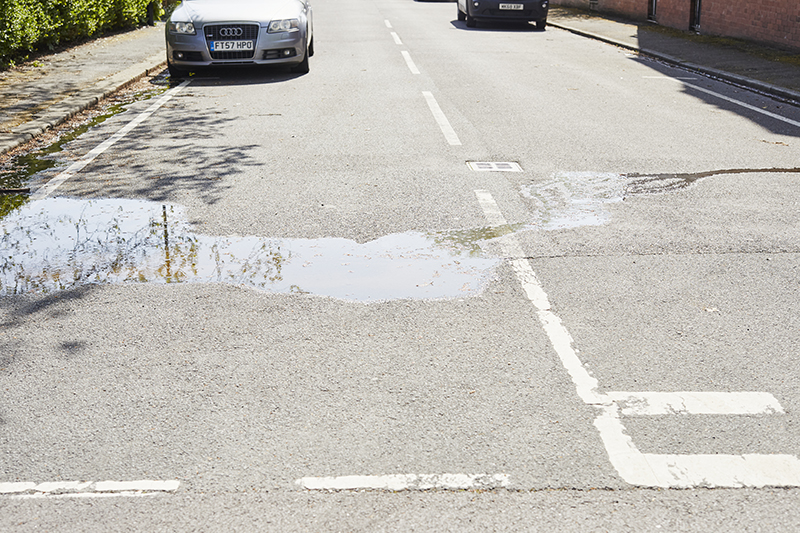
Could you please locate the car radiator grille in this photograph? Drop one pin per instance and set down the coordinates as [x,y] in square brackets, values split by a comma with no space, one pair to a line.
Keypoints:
[249,33]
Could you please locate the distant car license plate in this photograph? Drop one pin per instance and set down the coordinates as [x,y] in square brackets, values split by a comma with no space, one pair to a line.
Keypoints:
[515,7]
[231,46]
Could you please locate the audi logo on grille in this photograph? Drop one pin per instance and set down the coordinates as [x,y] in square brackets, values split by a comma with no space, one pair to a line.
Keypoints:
[230,32]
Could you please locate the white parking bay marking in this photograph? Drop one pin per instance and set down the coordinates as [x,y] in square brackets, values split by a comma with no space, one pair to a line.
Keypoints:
[635,467]
[441,119]
[748,470]
[410,62]
[558,334]
[695,403]
[80,164]
[400,482]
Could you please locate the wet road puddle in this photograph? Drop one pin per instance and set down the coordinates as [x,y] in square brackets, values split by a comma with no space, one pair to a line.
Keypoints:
[575,199]
[60,243]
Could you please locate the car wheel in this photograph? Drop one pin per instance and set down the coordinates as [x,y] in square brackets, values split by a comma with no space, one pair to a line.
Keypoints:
[541,24]
[461,15]
[176,72]
[311,47]
[302,67]
[471,22]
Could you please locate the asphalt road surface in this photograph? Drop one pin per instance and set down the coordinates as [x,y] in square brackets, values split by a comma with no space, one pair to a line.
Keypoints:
[452,279]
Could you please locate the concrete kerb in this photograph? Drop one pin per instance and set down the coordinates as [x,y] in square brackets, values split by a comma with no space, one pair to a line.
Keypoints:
[781,92]
[79,101]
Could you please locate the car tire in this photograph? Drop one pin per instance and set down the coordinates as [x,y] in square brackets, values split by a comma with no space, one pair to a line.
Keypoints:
[176,72]
[311,47]
[302,67]
[471,22]
[461,15]
[541,24]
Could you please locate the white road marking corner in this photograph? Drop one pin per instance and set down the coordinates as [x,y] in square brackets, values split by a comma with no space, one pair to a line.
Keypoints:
[633,466]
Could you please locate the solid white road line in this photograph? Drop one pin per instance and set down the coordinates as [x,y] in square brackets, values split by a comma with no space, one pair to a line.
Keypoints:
[79,165]
[444,125]
[695,403]
[635,467]
[410,62]
[558,334]
[406,482]
[396,38]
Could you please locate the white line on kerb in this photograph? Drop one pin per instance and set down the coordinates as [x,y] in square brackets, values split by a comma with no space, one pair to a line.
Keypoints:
[79,165]
[447,129]
[635,467]
[400,482]
[396,38]
[410,62]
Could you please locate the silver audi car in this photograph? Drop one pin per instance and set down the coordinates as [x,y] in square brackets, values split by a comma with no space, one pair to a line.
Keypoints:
[204,33]
[473,11]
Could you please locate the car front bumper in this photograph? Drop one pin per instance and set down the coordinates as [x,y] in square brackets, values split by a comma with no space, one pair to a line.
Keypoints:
[491,10]
[194,51]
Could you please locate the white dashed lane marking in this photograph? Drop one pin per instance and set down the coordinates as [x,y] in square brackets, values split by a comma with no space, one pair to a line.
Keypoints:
[441,119]
[635,467]
[88,489]
[410,62]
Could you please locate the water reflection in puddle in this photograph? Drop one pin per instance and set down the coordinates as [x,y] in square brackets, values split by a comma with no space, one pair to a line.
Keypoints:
[60,243]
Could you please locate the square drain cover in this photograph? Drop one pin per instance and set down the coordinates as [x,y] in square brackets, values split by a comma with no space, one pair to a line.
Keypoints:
[491,166]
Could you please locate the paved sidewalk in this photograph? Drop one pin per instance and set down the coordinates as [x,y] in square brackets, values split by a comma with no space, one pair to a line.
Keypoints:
[761,68]
[46,92]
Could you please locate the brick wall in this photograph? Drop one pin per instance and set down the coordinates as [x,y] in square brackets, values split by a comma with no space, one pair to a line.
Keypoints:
[635,9]
[580,4]
[673,13]
[768,21]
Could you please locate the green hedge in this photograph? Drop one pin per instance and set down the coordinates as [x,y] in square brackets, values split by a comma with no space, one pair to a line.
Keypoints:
[29,25]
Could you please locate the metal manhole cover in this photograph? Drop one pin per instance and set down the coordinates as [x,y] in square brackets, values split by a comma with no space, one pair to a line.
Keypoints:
[493,166]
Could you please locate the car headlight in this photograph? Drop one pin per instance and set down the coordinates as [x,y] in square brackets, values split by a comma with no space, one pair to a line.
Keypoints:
[278,26]
[184,28]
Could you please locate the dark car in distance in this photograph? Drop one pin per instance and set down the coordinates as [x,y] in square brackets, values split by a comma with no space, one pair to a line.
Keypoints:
[473,11]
